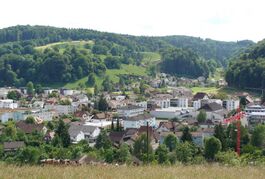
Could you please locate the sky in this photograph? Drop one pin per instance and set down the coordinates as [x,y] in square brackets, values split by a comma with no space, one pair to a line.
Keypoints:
[227,20]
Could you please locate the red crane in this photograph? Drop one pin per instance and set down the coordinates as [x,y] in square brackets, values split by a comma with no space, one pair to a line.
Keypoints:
[237,117]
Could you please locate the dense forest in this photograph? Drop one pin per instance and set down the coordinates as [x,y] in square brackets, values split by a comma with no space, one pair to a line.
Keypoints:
[248,68]
[186,63]
[21,62]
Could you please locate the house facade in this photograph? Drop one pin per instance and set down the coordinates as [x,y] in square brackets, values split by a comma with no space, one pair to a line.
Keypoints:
[130,111]
[83,132]
[231,104]
[139,120]
[179,102]
[8,104]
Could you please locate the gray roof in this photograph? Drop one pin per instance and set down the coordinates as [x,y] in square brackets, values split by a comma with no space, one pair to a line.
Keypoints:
[13,145]
[130,107]
[74,130]
[139,117]
[212,107]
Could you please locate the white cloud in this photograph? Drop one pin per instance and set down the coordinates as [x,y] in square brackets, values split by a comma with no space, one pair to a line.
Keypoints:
[221,20]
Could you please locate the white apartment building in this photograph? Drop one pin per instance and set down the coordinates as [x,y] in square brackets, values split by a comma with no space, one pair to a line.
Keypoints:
[139,120]
[8,104]
[142,104]
[130,111]
[231,104]
[197,104]
[46,115]
[179,102]
[61,109]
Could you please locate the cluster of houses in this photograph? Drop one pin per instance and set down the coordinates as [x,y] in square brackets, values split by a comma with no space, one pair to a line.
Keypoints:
[173,81]
[159,115]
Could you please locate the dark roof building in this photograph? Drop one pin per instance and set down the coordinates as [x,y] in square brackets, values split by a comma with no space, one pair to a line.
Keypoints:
[199,96]
[30,127]
[116,137]
[130,107]
[212,107]
[144,116]
[13,146]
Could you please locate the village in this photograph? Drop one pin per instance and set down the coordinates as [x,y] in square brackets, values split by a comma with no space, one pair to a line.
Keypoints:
[124,116]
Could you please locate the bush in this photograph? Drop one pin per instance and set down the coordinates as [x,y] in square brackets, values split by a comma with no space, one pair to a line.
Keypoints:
[228,157]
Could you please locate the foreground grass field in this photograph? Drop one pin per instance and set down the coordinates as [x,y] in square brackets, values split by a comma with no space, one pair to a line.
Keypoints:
[9,171]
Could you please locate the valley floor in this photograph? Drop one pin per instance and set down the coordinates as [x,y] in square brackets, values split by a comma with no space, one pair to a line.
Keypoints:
[199,171]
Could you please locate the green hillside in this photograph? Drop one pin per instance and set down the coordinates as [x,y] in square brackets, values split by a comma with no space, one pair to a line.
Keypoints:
[113,74]
[66,44]
[58,56]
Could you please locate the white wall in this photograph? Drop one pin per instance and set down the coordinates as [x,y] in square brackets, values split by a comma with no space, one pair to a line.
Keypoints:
[137,124]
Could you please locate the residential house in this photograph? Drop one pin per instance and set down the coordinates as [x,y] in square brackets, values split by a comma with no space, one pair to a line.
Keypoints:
[15,115]
[155,83]
[45,115]
[8,104]
[114,104]
[256,118]
[29,128]
[130,111]
[179,102]
[80,132]
[23,90]
[168,113]
[13,146]
[4,92]
[162,100]
[139,120]
[38,104]
[207,124]
[231,104]
[82,115]
[116,137]
[142,104]
[47,91]
[61,109]
[254,108]
[214,112]
[197,99]
[103,116]
[153,135]
[197,137]
[67,92]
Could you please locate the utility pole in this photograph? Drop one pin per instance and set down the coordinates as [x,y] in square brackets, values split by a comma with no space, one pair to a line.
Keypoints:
[147,142]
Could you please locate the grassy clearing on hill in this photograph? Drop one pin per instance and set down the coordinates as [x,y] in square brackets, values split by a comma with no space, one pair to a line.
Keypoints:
[113,74]
[150,57]
[205,89]
[63,45]
[199,171]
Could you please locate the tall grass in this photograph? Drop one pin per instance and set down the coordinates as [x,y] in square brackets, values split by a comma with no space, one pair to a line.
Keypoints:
[179,171]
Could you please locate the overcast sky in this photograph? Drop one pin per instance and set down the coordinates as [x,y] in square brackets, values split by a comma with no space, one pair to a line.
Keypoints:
[228,20]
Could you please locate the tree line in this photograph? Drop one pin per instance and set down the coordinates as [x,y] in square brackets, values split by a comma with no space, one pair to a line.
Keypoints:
[208,49]
[248,68]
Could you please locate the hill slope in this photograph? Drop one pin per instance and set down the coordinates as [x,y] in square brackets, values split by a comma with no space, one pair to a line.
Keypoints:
[208,49]
[50,55]
[247,70]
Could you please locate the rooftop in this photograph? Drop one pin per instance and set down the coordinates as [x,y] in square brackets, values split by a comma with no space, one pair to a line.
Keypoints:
[130,107]
[139,117]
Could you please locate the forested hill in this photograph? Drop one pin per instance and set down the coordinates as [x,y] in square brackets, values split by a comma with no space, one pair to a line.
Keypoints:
[49,55]
[247,70]
[208,49]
